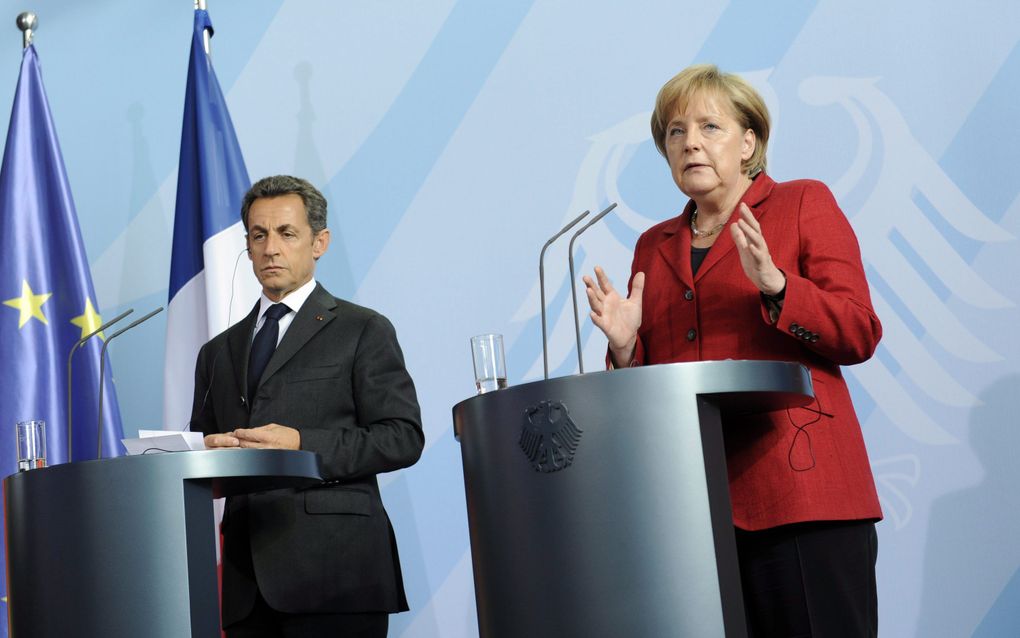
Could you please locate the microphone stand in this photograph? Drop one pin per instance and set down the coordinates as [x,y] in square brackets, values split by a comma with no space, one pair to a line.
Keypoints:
[102,375]
[541,286]
[573,288]
[70,354]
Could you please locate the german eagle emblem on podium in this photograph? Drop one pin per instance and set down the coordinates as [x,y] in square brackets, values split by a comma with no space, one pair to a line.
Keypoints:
[549,437]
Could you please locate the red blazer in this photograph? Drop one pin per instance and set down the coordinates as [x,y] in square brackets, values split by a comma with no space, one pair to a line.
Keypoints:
[802,464]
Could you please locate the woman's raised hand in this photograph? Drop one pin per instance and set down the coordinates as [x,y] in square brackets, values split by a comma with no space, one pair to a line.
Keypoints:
[618,317]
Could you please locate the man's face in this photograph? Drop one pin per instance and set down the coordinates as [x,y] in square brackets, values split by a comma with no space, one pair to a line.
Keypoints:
[281,246]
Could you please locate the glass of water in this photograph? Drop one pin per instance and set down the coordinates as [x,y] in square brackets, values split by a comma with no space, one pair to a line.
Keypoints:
[490,362]
[31,444]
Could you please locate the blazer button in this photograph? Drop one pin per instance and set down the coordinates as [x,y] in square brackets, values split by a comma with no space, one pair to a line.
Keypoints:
[688,294]
[814,338]
[793,328]
[799,331]
[692,334]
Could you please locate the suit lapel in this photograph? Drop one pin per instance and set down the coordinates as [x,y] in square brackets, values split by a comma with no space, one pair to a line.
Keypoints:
[239,343]
[722,246]
[314,315]
[675,248]
[755,195]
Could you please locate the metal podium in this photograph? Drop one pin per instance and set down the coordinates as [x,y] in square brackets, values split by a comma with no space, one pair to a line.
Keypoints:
[125,547]
[598,504]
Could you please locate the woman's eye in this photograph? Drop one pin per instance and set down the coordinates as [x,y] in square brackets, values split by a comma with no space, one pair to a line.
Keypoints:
[676,131]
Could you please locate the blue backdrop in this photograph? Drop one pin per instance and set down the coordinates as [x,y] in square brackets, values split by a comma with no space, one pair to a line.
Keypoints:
[452,138]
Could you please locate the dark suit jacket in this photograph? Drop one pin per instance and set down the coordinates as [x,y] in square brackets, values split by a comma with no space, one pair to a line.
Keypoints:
[338,377]
[794,465]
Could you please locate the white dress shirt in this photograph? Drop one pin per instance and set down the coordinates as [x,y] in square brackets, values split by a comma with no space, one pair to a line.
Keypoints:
[294,301]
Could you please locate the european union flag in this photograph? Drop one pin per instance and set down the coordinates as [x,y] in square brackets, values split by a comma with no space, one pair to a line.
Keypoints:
[47,301]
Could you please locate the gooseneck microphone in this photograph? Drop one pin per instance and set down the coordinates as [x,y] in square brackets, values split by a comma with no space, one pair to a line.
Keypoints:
[102,375]
[573,287]
[70,354]
[541,286]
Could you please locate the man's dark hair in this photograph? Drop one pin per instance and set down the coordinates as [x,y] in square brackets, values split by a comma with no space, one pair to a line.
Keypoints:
[277,185]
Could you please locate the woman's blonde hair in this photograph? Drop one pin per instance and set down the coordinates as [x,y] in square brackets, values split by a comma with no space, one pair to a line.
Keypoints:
[747,105]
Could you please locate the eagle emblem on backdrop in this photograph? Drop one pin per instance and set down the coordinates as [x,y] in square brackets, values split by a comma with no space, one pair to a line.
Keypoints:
[549,437]
[898,199]
[901,198]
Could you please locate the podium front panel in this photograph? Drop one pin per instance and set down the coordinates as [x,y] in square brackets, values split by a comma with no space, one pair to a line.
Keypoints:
[599,506]
[125,547]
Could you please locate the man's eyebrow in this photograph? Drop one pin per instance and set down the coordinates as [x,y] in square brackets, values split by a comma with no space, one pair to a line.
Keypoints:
[280,228]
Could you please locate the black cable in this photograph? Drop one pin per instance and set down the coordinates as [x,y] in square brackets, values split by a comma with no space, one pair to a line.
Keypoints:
[802,429]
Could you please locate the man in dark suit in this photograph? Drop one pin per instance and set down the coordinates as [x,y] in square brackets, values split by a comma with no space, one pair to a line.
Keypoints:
[305,370]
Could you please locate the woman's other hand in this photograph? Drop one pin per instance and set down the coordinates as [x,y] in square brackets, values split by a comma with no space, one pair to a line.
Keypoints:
[617,317]
[754,254]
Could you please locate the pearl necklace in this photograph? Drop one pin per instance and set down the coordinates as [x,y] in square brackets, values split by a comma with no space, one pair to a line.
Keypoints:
[703,233]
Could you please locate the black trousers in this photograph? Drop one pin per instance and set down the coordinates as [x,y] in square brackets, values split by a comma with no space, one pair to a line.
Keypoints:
[810,579]
[266,622]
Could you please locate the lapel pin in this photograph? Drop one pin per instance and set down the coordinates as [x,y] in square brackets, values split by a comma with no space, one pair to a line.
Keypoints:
[318,317]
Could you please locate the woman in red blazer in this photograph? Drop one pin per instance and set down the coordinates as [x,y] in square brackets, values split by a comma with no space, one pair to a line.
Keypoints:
[755,269]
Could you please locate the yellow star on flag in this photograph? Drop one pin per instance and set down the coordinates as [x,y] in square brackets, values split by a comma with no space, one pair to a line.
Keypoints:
[89,320]
[29,304]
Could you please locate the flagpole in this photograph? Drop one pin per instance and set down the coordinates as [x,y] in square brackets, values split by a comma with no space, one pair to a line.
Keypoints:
[200,4]
[28,23]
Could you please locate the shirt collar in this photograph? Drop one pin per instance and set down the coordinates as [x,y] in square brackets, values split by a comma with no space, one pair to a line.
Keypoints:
[294,300]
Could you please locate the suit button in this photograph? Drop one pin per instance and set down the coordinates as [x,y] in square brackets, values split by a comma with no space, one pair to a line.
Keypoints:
[692,334]
[793,328]
[799,331]
[814,338]
[688,294]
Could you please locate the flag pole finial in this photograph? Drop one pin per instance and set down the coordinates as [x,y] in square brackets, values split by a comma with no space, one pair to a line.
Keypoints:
[200,4]
[28,23]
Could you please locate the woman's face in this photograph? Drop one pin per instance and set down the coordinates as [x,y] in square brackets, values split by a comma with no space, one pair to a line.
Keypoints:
[705,145]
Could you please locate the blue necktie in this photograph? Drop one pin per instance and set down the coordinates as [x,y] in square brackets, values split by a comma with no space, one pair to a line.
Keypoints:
[263,346]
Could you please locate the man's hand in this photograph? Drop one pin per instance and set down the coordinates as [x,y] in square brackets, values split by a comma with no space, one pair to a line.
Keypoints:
[213,441]
[272,436]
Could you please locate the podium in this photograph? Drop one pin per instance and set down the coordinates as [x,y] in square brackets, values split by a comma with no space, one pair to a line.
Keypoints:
[126,547]
[598,504]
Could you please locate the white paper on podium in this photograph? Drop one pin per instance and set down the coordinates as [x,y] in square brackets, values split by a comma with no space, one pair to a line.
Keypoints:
[156,441]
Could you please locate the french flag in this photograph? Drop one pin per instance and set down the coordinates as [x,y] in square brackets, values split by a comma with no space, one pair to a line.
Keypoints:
[211,281]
